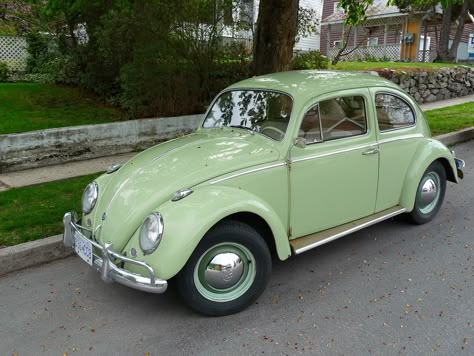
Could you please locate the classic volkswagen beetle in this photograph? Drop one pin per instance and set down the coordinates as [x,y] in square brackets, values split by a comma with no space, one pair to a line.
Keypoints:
[281,164]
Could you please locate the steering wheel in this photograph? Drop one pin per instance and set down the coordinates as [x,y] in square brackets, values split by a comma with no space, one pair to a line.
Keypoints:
[272,128]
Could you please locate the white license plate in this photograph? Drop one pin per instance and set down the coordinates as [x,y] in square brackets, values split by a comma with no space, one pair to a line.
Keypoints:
[83,248]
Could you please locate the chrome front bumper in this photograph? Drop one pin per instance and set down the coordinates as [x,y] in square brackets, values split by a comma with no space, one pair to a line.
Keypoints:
[105,265]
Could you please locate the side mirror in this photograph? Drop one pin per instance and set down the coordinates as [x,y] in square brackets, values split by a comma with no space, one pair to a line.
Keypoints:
[299,142]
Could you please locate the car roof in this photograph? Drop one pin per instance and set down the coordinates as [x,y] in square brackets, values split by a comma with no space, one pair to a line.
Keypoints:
[306,84]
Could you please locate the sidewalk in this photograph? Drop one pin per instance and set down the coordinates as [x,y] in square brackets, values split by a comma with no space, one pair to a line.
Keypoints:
[75,169]
[449,102]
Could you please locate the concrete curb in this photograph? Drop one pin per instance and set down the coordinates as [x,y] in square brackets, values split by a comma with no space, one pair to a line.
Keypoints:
[452,138]
[32,253]
[46,250]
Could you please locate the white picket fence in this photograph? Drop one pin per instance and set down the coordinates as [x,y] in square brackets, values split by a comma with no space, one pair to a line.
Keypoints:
[13,52]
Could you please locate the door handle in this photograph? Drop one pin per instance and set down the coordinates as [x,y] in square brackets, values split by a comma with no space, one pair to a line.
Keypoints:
[371,151]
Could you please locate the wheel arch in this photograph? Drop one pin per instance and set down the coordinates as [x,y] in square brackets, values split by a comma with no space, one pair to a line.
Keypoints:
[426,154]
[187,221]
[256,222]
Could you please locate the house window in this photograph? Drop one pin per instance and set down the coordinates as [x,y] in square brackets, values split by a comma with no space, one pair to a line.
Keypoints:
[338,44]
[428,42]
[372,41]
[336,8]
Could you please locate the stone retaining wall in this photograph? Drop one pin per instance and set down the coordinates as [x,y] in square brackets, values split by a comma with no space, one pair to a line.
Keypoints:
[54,146]
[426,87]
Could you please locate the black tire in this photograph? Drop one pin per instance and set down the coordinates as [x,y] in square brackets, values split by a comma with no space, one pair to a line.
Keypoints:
[248,278]
[426,209]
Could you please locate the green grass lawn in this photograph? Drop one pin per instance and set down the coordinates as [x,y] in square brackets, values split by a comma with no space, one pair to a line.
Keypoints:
[37,106]
[35,212]
[389,65]
[452,118]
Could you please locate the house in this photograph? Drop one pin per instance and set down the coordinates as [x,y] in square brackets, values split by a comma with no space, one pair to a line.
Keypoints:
[248,12]
[387,34]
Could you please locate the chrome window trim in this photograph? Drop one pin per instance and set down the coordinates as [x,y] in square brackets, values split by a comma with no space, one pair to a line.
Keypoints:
[405,101]
[334,152]
[248,172]
[400,138]
[201,126]
[366,133]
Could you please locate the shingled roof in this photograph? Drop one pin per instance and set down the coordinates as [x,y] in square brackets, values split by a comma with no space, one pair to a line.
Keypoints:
[377,10]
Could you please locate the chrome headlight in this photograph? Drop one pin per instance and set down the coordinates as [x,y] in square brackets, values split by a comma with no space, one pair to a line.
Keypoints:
[151,233]
[89,197]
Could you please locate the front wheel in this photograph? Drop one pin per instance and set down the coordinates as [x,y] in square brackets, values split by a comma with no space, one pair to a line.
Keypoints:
[430,194]
[227,271]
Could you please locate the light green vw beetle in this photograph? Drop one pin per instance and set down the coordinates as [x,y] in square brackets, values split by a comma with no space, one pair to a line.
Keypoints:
[282,163]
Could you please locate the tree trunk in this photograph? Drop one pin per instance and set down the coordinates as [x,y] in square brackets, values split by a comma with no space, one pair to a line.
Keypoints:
[275,36]
[443,44]
[453,52]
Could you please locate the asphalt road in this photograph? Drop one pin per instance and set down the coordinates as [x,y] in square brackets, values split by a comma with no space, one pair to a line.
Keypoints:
[393,288]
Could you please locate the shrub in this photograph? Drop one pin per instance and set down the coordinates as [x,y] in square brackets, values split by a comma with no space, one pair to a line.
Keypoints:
[4,72]
[171,88]
[310,60]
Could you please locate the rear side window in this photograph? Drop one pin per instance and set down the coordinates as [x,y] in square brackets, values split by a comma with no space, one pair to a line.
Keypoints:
[393,112]
[334,118]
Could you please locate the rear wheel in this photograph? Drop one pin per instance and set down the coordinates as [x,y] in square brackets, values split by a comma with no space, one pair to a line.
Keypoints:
[227,271]
[430,194]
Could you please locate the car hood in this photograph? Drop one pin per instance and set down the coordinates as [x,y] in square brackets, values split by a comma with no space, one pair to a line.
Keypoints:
[150,179]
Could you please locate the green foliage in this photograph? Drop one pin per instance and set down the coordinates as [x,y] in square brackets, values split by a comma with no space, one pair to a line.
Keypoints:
[307,22]
[4,72]
[38,51]
[354,10]
[152,57]
[310,60]
[366,57]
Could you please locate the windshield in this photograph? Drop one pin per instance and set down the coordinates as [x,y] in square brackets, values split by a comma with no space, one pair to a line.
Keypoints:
[265,112]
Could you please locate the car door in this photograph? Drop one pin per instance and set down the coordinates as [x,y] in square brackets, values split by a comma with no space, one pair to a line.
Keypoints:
[398,137]
[333,178]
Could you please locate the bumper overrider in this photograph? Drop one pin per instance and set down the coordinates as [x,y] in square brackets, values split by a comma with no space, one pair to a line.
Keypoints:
[107,263]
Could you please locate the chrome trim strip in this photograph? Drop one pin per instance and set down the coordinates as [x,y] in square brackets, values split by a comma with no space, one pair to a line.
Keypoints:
[400,138]
[107,268]
[349,231]
[248,172]
[334,152]
[399,96]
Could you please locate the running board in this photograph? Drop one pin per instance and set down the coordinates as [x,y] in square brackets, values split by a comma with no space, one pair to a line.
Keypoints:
[309,242]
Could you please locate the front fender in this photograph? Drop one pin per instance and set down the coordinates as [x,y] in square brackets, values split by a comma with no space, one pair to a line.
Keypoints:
[188,220]
[426,153]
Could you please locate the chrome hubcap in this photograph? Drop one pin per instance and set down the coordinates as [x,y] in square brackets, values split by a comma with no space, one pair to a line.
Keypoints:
[428,194]
[224,270]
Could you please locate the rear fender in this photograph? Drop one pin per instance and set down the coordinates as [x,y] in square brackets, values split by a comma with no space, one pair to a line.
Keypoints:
[427,153]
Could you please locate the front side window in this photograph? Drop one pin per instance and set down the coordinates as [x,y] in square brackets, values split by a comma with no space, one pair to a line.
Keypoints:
[334,118]
[393,112]
[264,112]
